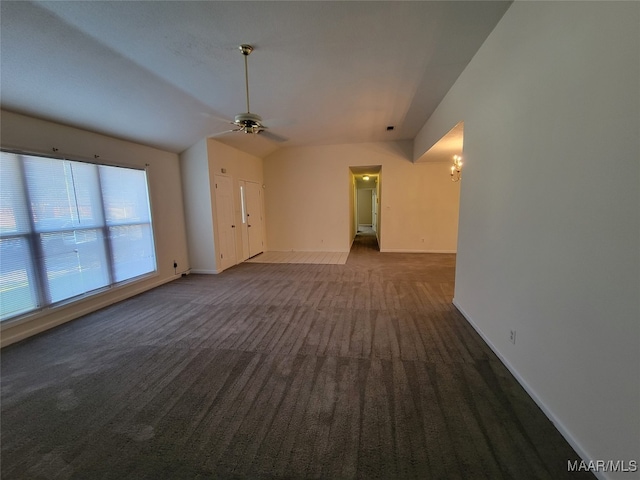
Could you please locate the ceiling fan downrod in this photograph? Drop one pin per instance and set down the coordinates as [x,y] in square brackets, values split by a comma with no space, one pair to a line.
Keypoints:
[246,51]
[248,122]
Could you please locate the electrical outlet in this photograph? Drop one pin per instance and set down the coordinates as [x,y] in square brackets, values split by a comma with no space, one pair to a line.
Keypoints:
[512,336]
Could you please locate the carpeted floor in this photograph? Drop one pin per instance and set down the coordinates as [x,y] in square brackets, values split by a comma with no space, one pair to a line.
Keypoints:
[362,370]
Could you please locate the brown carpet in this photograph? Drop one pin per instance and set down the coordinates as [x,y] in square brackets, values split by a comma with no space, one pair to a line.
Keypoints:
[363,370]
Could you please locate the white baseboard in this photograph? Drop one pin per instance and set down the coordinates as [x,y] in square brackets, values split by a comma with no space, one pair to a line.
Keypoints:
[204,271]
[400,250]
[532,393]
[307,251]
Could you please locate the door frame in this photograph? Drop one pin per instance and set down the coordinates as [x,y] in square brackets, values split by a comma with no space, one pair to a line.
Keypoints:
[356,173]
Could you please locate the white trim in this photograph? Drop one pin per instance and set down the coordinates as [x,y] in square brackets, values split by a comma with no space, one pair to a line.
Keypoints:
[400,250]
[204,271]
[39,327]
[532,393]
[52,309]
[306,251]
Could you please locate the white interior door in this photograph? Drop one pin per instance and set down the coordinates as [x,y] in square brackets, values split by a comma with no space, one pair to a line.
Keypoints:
[224,222]
[254,218]
[244,230]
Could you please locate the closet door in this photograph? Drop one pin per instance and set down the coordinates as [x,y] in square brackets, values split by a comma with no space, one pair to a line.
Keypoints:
[224,222]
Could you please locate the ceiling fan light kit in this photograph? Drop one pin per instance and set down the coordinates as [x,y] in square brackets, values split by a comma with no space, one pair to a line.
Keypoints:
[249,122]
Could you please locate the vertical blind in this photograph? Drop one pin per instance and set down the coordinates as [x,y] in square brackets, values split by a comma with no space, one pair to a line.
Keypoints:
[69,228]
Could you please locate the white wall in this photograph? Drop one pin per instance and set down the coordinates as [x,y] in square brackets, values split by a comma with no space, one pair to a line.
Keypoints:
[549,240]
[308,199]
[39,136]
[199,164]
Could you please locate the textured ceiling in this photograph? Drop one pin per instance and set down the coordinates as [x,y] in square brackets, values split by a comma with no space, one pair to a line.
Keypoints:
[167,74]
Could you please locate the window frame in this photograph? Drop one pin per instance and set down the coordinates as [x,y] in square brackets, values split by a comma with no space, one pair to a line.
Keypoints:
[36,259]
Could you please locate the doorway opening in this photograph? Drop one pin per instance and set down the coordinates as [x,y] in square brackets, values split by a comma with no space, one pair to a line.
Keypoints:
[365,230]
[443,152]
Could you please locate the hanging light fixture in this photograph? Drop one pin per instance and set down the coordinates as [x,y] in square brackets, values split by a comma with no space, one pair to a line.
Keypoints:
[456,168]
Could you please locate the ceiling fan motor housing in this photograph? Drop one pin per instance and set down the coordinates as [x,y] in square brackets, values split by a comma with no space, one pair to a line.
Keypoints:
[249,122]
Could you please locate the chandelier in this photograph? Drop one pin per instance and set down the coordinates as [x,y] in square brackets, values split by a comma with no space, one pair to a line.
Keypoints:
[456,168]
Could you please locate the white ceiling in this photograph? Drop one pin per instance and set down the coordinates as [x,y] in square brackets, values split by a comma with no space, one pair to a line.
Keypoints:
[167,73]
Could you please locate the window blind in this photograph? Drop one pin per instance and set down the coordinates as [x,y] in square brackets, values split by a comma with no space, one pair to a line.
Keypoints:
[69,228]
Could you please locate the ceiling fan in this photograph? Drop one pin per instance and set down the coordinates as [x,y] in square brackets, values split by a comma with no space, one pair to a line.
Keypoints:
[250,123]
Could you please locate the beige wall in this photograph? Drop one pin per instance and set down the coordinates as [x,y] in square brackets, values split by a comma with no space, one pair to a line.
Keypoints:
[365,207]
[549,241]
[308,199]
[352,205]
[163,172]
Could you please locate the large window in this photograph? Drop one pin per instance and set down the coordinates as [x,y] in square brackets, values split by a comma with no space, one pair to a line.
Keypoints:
[69,228]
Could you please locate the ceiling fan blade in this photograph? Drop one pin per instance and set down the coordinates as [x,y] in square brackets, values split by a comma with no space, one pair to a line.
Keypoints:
[278,122]
[216,118]
[273,136]
[219,134]
[249,123]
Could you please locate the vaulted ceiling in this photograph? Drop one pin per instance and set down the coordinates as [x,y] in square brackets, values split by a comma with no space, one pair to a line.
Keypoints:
[168,73]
